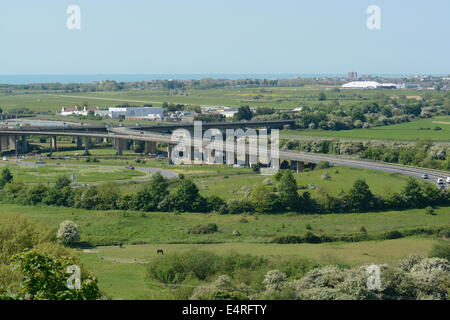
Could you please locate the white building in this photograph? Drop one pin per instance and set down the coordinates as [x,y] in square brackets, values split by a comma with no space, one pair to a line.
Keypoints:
[361,85]
[132,113]
[368,85]
[75,111]
[136,113]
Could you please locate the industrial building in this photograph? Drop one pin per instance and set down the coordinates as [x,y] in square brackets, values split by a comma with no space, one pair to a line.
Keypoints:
[367,85]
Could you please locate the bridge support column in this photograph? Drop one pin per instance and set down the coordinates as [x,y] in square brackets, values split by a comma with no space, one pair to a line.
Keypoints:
[150,147]
[79,143]
[121,144]
[4,143]
[301,166]
[24,144]
[169,151]
[298,166]
[53,143]
[247,160]
[86,146]
[12,143]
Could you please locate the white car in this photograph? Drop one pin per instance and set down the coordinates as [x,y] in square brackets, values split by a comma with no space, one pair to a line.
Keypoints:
[448,179]
[440,181]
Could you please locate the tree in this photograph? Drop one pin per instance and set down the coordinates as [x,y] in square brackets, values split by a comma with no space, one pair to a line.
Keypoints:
[386,111]
[46,278]
[357,114]
[5,177]
[322,96]
[154,193]
[413,193]
[187,198]
[68,232]
[62,181]
[264,199]
[287,190]
[274,280]
[359,197]
[244,113]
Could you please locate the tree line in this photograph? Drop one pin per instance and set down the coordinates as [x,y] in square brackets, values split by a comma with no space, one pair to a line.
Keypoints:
[268,198]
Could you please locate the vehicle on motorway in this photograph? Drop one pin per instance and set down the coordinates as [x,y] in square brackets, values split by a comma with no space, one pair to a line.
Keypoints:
[448,179]
[440,181]
[129,167]
[425,176]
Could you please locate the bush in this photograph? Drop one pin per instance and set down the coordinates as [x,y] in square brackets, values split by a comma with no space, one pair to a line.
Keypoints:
[5,177]
[311,238]
[45,277]
[274,280]
[287,239]
[203,229]
[68,232]
[240,206]
[411,279]
[323,165]
[200,265]
[394,234]
[441,250]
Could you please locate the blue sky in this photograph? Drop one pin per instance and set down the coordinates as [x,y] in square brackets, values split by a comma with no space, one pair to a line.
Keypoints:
[224,36]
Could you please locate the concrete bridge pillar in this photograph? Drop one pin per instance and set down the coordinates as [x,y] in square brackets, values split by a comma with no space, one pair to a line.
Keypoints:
[297,166]
[24,144]
[86,145]
[4,143]
[53,143]
[150,147]
[79,143]
[169,151]
[12,143]
[121,144]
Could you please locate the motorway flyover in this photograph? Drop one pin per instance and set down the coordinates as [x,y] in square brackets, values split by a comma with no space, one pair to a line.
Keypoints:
[297,159]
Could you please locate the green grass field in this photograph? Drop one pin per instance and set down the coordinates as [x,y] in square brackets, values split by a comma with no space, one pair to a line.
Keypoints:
[408,131]
[107,227]
[342,178]
[45,173]
[276,97]
[122,272]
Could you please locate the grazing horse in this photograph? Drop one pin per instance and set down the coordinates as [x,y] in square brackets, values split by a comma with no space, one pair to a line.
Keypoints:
[160,251]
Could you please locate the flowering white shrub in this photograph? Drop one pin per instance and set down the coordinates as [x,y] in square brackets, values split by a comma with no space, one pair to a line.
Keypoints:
[274,280]
[68,232]
[223,282]
[414,277]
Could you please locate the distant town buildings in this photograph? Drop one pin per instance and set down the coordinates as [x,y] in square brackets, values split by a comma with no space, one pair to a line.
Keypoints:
[227,112]
[136,113]
[131,113]
[76,111]
[352,75]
